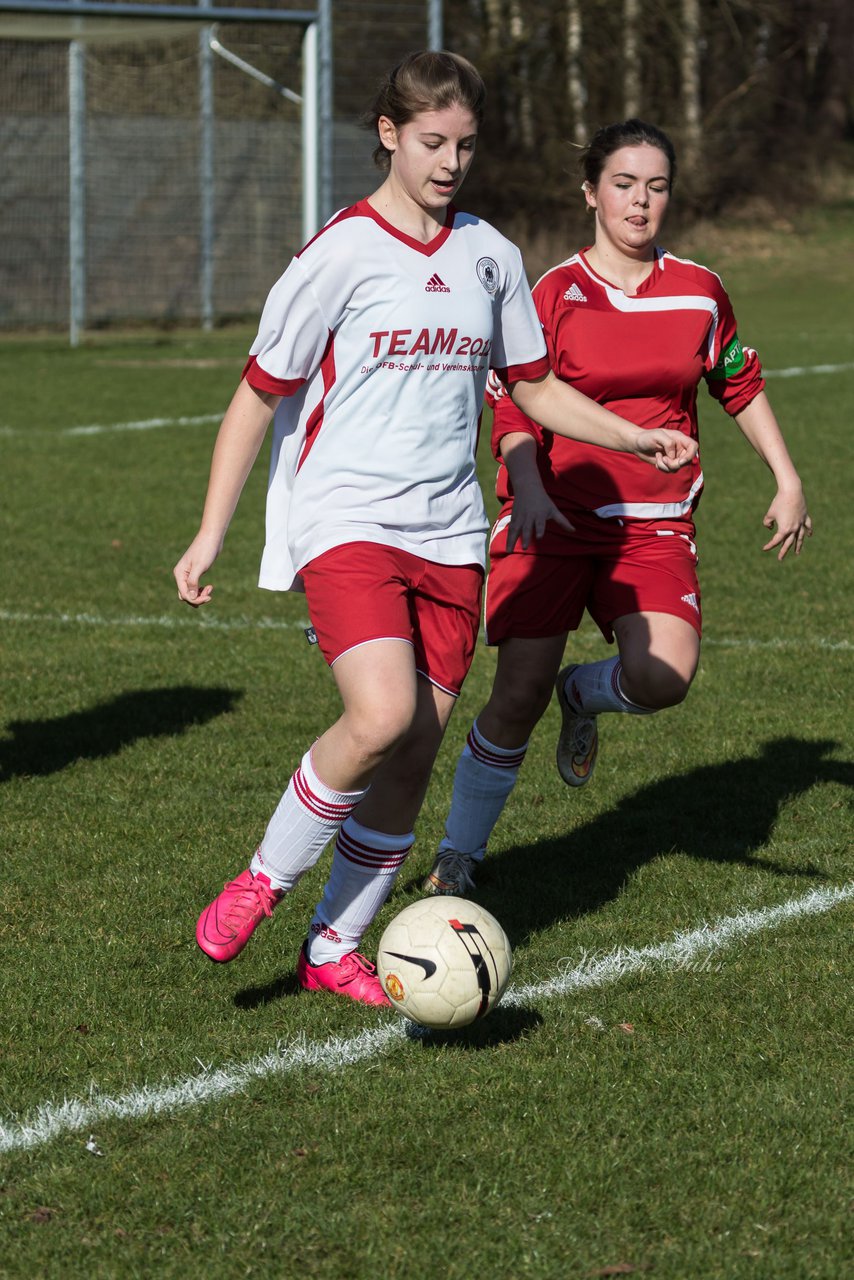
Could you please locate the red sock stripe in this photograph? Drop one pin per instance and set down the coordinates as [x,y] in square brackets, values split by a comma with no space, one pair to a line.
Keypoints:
[484,754]
[366,855]
[326,810]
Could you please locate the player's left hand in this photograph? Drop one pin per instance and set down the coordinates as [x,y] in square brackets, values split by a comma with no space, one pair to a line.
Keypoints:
[666,450]
[789,513]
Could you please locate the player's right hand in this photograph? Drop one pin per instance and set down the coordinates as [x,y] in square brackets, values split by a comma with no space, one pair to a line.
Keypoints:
[666,450]
[532,511]
[195,562]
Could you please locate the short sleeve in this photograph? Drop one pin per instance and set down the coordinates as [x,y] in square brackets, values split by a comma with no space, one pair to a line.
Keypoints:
[733,372]
[518,347]
[293,335]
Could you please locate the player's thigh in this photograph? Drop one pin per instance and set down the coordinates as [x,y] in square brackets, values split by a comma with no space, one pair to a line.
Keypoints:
[378,685]
[532,595]
[642,572]
[659,653]
[400,783]
[357,593]
[445,610]
[647,596]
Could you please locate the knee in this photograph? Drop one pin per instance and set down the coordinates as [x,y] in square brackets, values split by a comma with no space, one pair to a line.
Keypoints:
[375,733]
[522,701]
[656,687]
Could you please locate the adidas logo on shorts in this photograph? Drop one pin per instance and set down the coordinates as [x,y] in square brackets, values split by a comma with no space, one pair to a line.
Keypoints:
[691,599]
[574,294]
[436,285]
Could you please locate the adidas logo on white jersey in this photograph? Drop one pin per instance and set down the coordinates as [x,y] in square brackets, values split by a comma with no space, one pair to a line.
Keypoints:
[436,285]
[574,294]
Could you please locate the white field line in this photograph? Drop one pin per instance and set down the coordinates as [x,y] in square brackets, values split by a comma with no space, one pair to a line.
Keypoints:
[145,424]
[152,424]
[183,618]
[106,428]
[798,370]
[682,950]
[802,642]
[51,1120]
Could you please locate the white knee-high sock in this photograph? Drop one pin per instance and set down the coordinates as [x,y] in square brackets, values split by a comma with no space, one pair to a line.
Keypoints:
[364,868]
[485,776]
[595,686]
[306,819]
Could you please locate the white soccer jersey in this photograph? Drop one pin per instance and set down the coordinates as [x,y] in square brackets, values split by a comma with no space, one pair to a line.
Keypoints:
[381,346]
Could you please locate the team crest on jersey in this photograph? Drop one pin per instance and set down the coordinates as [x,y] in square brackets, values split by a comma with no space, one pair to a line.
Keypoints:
[487,273]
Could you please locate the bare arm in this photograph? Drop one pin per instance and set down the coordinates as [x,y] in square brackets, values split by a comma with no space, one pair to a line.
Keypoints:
[238,441]
[566,412]
[788,510]
[532,506]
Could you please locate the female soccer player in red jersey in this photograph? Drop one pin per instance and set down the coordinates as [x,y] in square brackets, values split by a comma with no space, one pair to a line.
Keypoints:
[372,357]
[637,330]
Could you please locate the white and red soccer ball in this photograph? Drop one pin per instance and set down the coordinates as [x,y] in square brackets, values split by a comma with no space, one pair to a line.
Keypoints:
[444,962]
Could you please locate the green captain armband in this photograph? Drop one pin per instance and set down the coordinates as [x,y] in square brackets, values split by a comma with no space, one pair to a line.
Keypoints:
[730,362]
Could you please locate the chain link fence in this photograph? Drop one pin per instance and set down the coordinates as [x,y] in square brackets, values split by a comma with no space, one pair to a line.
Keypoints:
[184,216]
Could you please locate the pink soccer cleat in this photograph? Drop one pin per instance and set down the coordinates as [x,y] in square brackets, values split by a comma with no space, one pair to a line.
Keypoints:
[352,976]
[225,927]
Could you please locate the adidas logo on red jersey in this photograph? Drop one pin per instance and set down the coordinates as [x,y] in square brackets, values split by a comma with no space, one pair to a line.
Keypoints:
[436,285]
[574,294]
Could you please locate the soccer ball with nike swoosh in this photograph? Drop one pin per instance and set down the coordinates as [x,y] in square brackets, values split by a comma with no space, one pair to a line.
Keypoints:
[444,962]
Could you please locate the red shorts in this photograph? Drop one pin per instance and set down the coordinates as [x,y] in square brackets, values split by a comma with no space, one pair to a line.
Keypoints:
[605,567]
[364,591]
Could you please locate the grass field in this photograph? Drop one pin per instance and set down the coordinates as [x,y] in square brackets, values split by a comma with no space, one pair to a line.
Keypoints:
[652,1098]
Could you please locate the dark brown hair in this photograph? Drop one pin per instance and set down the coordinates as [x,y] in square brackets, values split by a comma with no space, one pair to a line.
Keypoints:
[425,81]
[629,133]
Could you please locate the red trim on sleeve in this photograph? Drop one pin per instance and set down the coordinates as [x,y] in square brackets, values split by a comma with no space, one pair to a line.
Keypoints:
[263,381]
[525,372]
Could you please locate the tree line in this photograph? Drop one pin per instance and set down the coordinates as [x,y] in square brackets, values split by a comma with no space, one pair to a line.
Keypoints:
[756,94]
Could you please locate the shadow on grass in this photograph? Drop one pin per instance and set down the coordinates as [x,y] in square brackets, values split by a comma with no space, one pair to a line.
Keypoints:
[718,813]
[39,747]
[503,1026]
[253,997]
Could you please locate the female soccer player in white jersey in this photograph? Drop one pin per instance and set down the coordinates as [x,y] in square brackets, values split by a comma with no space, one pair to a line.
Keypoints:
[637,330]
[372,356]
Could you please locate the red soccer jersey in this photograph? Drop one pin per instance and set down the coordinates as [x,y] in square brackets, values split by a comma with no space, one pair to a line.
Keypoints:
[643,358]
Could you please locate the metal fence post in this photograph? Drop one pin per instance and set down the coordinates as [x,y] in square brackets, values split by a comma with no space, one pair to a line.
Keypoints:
[435,34]
[207,145]
[76,190]
[325,107]
[310,217]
